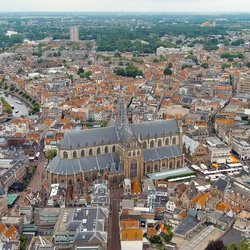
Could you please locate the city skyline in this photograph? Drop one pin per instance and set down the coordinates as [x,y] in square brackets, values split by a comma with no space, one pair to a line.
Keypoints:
[126,6]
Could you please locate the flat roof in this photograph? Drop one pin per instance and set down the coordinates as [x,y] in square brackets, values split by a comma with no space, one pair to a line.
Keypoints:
[171,173]
[11,198]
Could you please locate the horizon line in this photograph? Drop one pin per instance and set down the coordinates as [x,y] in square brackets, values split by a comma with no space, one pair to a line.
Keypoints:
[134,12]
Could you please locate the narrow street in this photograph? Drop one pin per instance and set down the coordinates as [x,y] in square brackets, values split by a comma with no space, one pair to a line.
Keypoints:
[36,181]
[113,229]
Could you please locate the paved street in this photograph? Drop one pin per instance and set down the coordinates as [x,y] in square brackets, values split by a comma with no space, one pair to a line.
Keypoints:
[113,231]
[36,181]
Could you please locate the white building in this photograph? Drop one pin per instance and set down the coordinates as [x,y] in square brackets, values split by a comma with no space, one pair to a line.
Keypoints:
[74,34]
[242,148]
[218,150]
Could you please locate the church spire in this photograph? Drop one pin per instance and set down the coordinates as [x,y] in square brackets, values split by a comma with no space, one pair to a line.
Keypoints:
[121,116]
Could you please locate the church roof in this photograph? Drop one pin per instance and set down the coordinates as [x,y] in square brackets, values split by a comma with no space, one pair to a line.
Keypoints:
[154,154]
[85,164]
[104,136]
[88,138]
[154,129]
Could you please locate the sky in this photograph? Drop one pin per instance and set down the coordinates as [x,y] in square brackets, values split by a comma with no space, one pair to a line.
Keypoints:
[126,5]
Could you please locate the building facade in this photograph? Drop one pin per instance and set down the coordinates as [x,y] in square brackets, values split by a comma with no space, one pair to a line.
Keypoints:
[74,34]
[124,150]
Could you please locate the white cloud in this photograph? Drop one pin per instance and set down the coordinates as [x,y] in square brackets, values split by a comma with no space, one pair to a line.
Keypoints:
[126,5]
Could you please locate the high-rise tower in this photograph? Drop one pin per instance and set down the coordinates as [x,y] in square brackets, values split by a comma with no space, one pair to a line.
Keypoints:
[74,34]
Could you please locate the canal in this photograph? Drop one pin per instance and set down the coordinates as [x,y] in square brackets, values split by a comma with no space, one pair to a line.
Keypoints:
[20,108]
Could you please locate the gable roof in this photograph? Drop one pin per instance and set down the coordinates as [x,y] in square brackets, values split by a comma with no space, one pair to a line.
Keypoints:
[220,184]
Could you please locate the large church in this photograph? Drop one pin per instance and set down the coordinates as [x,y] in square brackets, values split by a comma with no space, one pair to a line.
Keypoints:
[119,151]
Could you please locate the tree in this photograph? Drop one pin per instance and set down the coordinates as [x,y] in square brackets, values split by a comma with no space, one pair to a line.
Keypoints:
[215,245]
[248,64]
[204,65]
[156,239]
[170,65]
[51,154]
[243,245]
[168,72]
[80,71]
[225,66]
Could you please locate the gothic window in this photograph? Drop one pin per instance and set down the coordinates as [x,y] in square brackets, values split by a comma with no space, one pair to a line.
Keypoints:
[144,145]
[82,153]
[171,164]
[65,155]
[70,182]
[106,149]
[133,169]
[159,143]
[167,141]
[152,144]
[74,154]
[178,164]
[98,151]
[174,141]
[138,152]
[163,165]
[129,154]
[62,181]
[113,148]
[148,169]
[133,153]
[156,167]
[91,151]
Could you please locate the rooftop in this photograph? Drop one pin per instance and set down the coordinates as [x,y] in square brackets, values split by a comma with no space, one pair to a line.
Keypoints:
[171,173]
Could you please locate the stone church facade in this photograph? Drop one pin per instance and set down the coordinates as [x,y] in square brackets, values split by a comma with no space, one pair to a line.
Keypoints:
[116,152]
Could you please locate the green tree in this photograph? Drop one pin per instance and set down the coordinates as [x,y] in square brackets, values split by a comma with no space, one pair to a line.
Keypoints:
[225,66]
[51,154]
[168,72]
[204,65]
[215,245]
[248,64]
[243,245]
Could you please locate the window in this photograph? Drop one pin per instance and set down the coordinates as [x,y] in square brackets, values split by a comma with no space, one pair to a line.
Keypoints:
[174,141]
[91,151]
[152,144]
[82,153]
[178,164]
[144,145]
[159,143]
[106,149]
[148,169]
[133,153]
[133,169]
[78,180]
[74,154]
[65,155]
[98,151]
[171,164]
[129,154]
[138,152]
[156,167]
[163,165]
[113,148]
[167,142]
[70,182]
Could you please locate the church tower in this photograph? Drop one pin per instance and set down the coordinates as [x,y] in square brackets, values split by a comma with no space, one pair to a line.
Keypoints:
[121,116]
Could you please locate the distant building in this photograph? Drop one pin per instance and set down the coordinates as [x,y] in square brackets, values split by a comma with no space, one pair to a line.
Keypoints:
[242,148]
[74,34]
[195,151]
[244,83]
